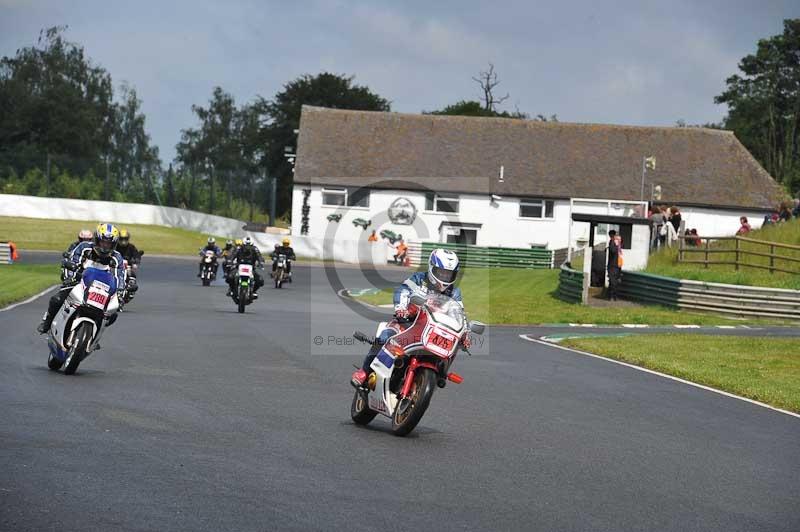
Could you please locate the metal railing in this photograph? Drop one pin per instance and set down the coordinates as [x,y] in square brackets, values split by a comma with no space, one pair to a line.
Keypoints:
[495,257]
[738,252]
[730,300]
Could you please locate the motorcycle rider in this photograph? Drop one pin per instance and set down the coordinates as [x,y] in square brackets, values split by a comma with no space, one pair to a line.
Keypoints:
[130,253]
[211,245]
[227,251]
[102,251]
[284,249]
[85,235]
[442,271]
[248,253]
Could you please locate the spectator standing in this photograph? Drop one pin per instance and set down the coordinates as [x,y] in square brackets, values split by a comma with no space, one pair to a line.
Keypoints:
[675,219]
[614,265]
[785,213]
[657,221]
[663,232]
[745,226]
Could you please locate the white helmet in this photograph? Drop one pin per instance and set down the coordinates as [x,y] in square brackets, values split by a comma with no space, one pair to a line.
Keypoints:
[247,241]
[442,268]
[212,240]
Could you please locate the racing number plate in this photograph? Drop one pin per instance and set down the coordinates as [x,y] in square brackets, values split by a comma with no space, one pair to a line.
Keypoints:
[245,270]
[439,341]
[98,295]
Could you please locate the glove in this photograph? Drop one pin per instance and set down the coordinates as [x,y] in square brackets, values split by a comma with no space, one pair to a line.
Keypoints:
[466,341]
[401,311]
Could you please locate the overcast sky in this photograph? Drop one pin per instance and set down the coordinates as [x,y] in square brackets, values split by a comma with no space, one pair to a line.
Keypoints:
[647,63]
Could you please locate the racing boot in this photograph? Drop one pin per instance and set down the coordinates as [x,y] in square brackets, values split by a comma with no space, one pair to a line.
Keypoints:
[45,324]
[359,378]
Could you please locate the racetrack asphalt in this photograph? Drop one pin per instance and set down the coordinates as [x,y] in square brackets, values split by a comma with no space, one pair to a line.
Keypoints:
[194,417]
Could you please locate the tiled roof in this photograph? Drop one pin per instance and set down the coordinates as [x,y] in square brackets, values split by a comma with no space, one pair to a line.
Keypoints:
[695,166]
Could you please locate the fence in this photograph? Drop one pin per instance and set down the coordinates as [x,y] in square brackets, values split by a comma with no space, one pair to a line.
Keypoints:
[738,252]
[570,285]
[487,257]
[731,300]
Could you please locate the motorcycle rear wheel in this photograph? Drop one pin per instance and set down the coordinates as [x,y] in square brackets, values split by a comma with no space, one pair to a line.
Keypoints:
[410,410]
[77,351]
[360,412]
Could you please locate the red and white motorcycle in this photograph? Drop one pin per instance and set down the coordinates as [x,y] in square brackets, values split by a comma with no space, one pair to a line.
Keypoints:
[412,363]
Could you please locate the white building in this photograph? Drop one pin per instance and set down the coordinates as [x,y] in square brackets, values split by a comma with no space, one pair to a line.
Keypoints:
[511,183]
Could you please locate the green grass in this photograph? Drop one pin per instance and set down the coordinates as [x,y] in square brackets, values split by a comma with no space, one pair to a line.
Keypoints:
[20,281]
[665,262]
[764,369]
[56,235]
[515,296]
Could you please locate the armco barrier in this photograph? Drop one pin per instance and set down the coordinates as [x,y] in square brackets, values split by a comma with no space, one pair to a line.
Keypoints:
[731,300]
[570,285]
[495,257]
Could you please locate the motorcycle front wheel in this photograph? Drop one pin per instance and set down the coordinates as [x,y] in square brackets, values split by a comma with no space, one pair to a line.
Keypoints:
[83,335]
[242,298]
[410,410]
[360,412]
[53,363]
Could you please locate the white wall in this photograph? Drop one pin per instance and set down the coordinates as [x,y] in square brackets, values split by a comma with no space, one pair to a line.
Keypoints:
[718,222]
[500,223]
[137,213]
[124,213]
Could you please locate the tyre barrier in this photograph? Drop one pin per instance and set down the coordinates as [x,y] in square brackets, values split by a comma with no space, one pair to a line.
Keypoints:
[727,299]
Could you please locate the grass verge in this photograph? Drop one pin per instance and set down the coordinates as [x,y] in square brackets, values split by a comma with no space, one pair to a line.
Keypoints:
[514,296]
[665,261]
[20,281]
[56,235]
[764,369]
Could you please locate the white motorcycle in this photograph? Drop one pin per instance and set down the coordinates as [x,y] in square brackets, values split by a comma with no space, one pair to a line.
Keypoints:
[412,363]
[78,326]
[209,271]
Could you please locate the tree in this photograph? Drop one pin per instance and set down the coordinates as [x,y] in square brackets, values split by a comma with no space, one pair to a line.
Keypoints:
[488,82]
[764,104]
[54,101]
[283,118]
[132,159]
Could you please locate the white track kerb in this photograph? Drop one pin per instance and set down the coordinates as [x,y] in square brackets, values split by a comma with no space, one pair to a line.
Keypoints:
[664,375]
[32,298]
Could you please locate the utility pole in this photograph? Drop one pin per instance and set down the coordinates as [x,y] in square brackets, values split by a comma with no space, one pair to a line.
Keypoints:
[273,193]
[107,192]
[48,172]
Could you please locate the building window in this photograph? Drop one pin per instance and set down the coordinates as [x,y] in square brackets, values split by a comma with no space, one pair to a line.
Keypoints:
[536,208]
[437,203]
[334,197]
[358,197]
[339,197]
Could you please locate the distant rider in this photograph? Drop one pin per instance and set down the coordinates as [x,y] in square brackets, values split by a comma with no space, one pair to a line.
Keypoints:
[84,235]
[284,249]
[248,253]
[100,251]
[442,272]
[227,251]
[130,253]
[211,245]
